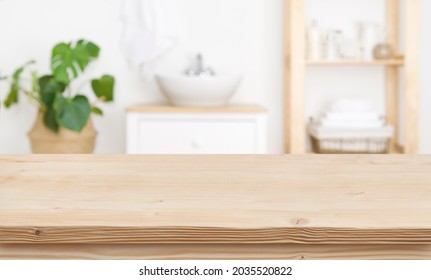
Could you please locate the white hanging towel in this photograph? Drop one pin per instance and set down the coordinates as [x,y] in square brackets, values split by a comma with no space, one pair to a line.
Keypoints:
[146,33]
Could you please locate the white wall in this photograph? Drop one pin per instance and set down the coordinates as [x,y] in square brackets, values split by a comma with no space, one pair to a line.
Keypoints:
[244,36]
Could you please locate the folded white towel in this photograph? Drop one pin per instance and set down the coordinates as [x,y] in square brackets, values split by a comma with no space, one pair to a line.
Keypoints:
[146,33]
[352,124]
[348,116]
[345,105]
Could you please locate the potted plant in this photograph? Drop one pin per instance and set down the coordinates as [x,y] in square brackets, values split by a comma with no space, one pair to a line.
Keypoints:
[63,123]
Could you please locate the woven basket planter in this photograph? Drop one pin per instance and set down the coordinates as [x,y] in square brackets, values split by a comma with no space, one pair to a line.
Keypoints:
[45,141]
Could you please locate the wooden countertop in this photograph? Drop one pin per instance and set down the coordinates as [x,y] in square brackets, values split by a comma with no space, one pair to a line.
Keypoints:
[215,199]
[145,108]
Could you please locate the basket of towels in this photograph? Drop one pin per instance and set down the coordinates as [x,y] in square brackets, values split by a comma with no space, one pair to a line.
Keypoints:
[350,126]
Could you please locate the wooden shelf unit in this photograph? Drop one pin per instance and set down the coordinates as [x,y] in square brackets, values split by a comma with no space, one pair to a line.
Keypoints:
[296,65]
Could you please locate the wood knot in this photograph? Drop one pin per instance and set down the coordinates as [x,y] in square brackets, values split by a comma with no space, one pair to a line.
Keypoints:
[300,221]
[37,231]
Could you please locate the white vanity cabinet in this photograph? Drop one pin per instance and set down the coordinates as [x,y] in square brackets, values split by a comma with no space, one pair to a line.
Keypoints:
[182,130]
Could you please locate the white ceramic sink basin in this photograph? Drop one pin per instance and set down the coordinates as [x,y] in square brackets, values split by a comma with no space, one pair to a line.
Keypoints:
[198,91]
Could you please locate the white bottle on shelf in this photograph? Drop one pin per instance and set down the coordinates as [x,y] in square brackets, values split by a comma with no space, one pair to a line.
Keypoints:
[332,51]
[314,42]
[368,38]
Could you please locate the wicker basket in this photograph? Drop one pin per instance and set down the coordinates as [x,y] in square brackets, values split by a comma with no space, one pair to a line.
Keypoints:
[350,141]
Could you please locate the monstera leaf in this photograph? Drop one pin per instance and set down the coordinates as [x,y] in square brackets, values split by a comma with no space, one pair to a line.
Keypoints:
[49,87]
[70,59]
[50,119]
[104,88]
[72,113]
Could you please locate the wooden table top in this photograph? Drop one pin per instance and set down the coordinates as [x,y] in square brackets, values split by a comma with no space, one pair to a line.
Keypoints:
[215,199]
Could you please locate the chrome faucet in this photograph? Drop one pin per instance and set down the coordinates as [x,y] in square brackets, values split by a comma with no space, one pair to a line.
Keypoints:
[197,68]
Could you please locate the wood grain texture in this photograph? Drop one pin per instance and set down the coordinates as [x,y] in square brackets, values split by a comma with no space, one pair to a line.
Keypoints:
[174,109]
[196,235]
[215,199]
[214,252]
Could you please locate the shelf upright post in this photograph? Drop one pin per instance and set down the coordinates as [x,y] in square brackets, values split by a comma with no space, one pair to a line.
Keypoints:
[392,71]
[411,104]
[295,133]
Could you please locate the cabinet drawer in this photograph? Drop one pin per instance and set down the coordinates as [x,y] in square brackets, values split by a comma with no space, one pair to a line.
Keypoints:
[196,137]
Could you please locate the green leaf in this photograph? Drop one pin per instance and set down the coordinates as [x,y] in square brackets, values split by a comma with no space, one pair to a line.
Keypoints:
[12,96]
[70,59]
[49,88]
[92,49]
[72,114]
[15,87]
[50,119]
[104,88]
[34,81]
[97,111]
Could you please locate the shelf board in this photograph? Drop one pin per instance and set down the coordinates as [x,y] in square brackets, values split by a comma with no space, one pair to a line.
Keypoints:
[391,62]
[149,108]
